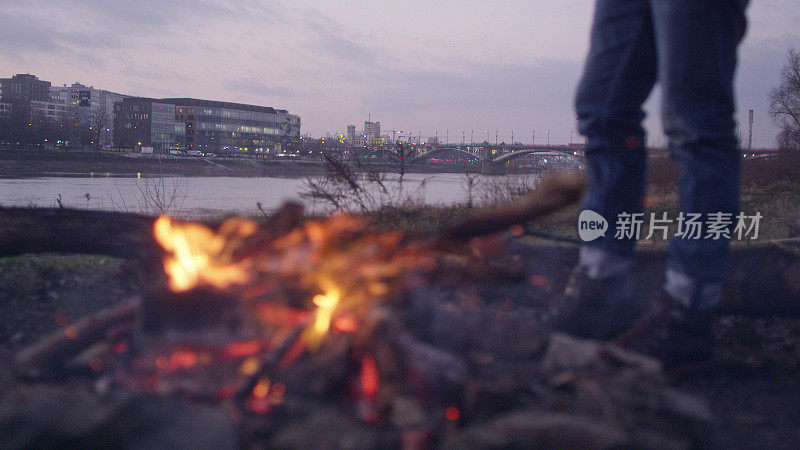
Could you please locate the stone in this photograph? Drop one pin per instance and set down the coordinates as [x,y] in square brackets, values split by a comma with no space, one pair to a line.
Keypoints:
[328,428]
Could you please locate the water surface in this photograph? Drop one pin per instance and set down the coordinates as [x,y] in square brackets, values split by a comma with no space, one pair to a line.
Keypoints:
[204,196]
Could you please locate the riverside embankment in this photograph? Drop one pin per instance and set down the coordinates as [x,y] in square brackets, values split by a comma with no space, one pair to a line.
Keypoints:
[57,163]
[22,163]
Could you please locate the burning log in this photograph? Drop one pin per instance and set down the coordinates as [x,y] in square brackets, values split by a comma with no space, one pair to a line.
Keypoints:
[270,364]
[347,265]
[416,378]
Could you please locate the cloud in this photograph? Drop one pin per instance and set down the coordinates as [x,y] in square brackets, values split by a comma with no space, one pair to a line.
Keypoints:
[154,72]
[150,14]
[340,48]
[549,84]
[339,61]
[22,32]
[103,24]
[252,87]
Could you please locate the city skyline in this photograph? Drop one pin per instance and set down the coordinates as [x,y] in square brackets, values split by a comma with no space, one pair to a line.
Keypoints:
[426,68]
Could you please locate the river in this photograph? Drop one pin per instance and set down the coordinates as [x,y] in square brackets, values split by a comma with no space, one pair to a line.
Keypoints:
[195,197]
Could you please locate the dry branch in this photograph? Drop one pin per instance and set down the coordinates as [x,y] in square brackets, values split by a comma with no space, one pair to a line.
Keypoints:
[555,192]
[51,353]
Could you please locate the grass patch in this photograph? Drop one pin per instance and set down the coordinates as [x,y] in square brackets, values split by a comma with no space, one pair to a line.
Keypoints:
[38,293]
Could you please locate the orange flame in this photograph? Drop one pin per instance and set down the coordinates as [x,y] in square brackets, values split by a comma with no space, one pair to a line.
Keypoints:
[348,264]
[323,315]
[198,256]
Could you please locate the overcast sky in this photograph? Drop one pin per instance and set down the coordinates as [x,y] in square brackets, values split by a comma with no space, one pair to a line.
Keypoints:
[414,65]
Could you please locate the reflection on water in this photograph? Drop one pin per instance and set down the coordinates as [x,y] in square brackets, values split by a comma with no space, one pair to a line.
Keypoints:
[204,196]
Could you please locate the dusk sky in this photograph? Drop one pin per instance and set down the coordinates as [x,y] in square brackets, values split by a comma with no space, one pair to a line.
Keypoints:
[414,65]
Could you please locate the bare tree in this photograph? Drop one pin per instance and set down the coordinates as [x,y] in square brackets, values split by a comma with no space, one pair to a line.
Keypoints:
[99,124]
[784,103]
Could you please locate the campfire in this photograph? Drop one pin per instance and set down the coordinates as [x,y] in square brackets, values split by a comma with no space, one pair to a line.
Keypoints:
[409,337]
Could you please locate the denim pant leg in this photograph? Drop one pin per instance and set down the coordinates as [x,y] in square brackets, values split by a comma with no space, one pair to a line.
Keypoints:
[619,74]
[696,43]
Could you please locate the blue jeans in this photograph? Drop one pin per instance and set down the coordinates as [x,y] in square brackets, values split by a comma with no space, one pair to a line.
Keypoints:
[689,46]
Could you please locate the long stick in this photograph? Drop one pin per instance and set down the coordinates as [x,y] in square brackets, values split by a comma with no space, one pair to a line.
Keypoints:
[553,193]
[50,354]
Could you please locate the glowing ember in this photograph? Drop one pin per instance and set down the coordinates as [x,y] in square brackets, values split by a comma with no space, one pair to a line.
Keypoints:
[182,359]
[71,332]
[452,413]
[262,388]
[120,347]
[249,366]
[242,349]
[370,379]
[346,323]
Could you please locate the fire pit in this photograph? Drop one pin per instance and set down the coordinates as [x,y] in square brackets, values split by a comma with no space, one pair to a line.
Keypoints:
[326,333]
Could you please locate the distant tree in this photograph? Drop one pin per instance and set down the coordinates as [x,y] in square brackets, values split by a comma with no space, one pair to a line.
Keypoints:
[784,103]
[36,131]
[67,132]
[5,131]
[20,124]
[99,124]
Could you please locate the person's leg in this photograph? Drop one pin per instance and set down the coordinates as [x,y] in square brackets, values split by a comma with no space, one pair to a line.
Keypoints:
[696,43]
[619,74]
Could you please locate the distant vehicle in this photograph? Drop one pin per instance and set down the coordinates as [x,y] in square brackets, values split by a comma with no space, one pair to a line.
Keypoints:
[194,153]
[210,155]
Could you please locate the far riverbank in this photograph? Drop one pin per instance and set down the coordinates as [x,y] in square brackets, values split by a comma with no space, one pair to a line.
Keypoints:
[22,164]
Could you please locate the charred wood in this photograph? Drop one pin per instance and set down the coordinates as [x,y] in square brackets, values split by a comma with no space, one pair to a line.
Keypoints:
[27,230]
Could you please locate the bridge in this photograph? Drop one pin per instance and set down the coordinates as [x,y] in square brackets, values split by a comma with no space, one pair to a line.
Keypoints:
[500,159]
[504,158]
